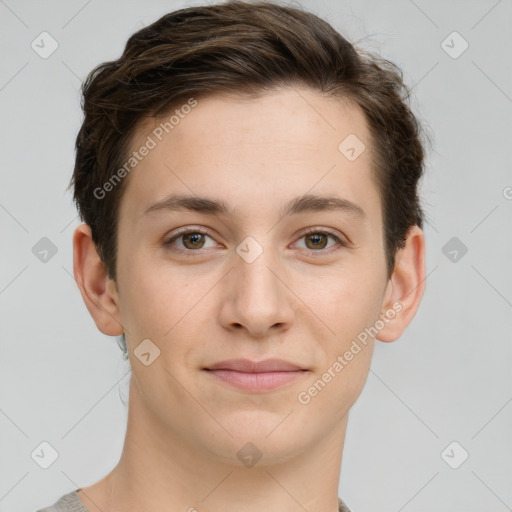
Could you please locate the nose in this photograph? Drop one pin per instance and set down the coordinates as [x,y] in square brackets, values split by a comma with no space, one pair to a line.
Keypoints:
[256,298]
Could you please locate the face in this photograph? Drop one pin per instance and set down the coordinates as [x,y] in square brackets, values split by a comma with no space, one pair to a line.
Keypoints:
[272,275]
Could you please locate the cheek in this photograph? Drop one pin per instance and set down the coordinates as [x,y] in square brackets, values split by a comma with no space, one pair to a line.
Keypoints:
[349,304]
[349,307]
[347,300]
[160,301]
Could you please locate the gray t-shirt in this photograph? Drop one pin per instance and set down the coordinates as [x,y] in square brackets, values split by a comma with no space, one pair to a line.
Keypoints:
[72,503]
[67,503]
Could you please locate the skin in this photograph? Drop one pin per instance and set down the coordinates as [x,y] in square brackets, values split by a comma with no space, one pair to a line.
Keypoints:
[295,302]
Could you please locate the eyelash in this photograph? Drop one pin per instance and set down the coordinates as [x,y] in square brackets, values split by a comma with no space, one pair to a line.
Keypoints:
[189,252]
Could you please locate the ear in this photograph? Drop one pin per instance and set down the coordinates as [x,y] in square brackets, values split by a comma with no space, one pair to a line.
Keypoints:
[97,289]
[405,287]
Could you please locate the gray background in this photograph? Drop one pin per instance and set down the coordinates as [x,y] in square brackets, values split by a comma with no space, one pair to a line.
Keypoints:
[447,379]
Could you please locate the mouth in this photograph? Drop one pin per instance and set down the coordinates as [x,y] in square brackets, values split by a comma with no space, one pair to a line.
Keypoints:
[256,376]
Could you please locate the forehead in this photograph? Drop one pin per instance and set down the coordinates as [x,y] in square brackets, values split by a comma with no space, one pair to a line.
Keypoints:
[253,151]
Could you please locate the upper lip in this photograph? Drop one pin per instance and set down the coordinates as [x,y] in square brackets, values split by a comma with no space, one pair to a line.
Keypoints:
[248,366]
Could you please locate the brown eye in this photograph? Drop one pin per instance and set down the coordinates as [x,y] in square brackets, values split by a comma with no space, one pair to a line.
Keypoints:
[193,240]
[190,241]
[317,240]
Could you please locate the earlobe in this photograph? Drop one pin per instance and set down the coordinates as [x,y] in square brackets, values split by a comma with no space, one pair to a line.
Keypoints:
[405,287]
[98,291]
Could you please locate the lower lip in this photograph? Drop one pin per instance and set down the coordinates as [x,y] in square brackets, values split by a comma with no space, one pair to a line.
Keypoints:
[256,381]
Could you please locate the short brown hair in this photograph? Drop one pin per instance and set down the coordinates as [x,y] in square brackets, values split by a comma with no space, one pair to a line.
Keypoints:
[245,48]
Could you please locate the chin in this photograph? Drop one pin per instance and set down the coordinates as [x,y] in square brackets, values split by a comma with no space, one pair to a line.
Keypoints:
[266,437]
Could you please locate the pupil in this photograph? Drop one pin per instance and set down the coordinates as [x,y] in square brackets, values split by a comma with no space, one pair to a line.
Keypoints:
[193,238]
[316,238]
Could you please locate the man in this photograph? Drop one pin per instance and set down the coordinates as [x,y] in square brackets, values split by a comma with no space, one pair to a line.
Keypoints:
[248,185]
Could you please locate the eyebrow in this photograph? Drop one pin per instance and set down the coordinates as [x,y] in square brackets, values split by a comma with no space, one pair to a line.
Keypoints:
[302,204]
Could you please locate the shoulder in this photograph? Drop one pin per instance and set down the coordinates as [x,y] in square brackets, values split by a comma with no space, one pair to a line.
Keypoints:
[342,507]
[70,502]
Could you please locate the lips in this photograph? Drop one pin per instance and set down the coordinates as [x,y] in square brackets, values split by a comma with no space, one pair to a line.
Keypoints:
[248,366]
[256,375]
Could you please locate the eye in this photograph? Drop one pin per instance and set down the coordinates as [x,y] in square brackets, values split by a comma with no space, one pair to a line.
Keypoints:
[318,239]
[191,239]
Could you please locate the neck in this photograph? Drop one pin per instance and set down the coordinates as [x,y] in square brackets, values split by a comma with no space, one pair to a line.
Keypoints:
[157,470]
